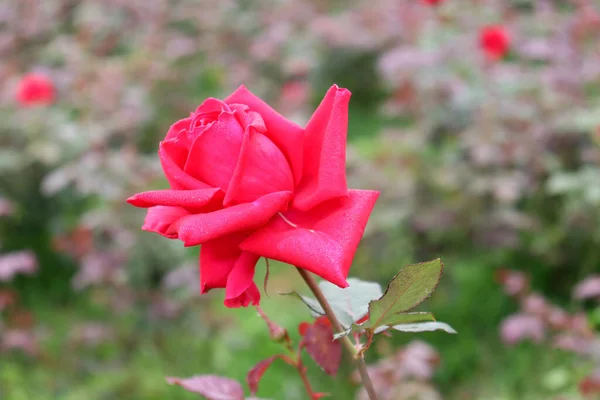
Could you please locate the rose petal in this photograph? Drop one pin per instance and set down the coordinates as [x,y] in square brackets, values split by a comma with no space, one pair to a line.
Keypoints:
[250,297]
[193,199]
[214,153]
[241,276]
[160,218]
[211,108]
[322,240]
[200,228]
[223,264]
[261,169]
[171,154]
[285,134]
[324,172]
[178,127]
[217,259]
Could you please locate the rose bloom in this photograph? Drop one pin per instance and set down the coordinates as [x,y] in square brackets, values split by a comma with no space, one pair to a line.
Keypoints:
[494,41]
[247,183]
[35,89]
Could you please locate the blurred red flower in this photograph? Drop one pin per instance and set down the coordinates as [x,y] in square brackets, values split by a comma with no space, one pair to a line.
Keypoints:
[248,183]
[433,2]
[35,89]
[494,40]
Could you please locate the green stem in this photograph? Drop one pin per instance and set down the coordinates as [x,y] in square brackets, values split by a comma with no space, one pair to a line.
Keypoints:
[337,327]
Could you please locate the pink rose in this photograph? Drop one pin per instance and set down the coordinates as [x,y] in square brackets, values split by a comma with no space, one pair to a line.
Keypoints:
[247,183]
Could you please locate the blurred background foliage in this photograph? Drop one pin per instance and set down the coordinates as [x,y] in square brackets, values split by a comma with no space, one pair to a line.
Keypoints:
[493,166]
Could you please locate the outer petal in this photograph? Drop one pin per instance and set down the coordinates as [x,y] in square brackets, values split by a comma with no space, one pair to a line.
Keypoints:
[214,153]
[241,276]
[159,219]
[322,240]
[223,264]
[189,199]
[250,296]
[170,157]
[217,259]
[324,173]
[284,133]
[261,169]
[200,228]
[178,127]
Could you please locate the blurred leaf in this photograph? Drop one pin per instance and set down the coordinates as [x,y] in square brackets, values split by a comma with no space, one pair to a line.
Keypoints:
[319,344]
[256,373]
[11,160]
[212,387]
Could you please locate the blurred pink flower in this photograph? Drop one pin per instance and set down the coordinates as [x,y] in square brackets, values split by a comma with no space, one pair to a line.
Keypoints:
[91,333]
[6,207]
[535,304]
[570,342]
[579,323]
[514,282]
[588,288]
[519,327]
[19,339]
[558,318]
[419,360]
[23,262]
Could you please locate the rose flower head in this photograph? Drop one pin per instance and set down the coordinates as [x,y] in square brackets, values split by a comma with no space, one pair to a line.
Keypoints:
[494,40]
[35,89]
[246,183]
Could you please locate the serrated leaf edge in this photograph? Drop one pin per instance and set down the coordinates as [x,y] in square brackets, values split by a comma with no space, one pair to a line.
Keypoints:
[419,302]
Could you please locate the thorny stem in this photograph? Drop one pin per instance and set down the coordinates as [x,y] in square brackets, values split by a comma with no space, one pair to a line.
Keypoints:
[337,327]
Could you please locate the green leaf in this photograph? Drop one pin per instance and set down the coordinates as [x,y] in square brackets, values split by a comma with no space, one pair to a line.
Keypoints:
[424,327]
[349,304]
[408,318]
[404,318]
[409,288]
[352,303]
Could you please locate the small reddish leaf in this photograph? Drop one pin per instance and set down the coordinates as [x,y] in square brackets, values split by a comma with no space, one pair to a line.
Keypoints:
[303,327]
[212,387]
[319,344]
[257,372]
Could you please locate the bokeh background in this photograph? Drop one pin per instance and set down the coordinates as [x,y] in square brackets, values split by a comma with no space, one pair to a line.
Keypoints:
[492,165]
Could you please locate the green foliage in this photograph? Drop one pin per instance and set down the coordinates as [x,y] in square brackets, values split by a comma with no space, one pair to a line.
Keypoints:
[409,288]
[348,304]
